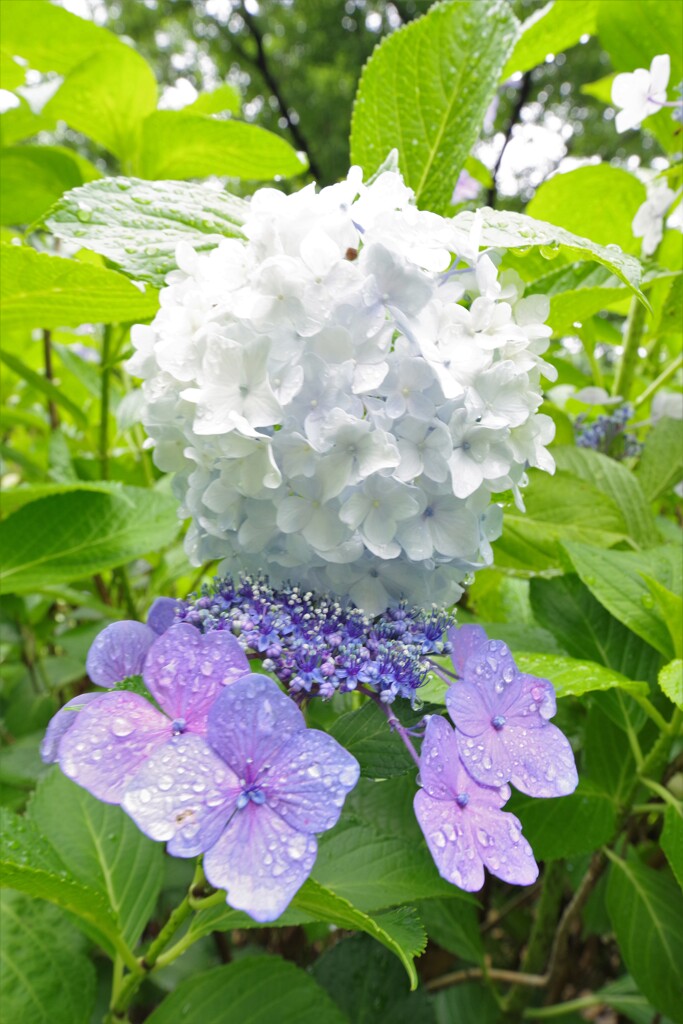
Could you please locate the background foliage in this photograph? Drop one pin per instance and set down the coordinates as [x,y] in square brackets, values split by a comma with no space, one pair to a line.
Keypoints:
[586,585]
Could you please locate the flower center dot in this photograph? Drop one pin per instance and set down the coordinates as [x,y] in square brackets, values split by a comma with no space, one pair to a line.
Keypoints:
[498,721]
[178,726]
[462,799]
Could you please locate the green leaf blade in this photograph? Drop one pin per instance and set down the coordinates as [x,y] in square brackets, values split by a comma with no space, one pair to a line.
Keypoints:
[137,224]
[72,535]
[425,91]
[646,910]
[257,990]
[41,290]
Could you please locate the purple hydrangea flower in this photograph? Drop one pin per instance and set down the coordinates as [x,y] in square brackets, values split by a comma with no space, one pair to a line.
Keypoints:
[118,652]
[112,737]
[252,798]
[462,821]
[163,612]
[501,715]
[60,724]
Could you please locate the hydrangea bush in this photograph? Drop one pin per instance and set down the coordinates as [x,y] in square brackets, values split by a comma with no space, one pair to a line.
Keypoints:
[418,639]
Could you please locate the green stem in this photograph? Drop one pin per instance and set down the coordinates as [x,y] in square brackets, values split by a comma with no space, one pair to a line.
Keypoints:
[635,326]
[121,575]
[664,376]
[587,336]
[125,987]
[104,403]
[652,712]
[665,794]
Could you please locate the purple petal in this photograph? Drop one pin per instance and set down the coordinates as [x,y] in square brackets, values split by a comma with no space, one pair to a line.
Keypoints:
[119,651]
[470,707]
[163,613]
[466,640]
[501,845]
[250,721]
[542,761]
[183,794]
[261,861]
[486,757]
[309,780]
[541,693]
[491,667]
[440,768]
[185,671]
[450,841]
[61,723]
[108,742]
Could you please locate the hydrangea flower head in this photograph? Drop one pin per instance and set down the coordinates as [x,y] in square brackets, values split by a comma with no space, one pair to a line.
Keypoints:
[111,737]
[501,715]
[252,796]
[640,93]
[462,821]
[348,376]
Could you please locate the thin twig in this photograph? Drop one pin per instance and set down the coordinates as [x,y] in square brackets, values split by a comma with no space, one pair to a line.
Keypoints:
[522,97]
[53,412]
[493,973]
[261,62]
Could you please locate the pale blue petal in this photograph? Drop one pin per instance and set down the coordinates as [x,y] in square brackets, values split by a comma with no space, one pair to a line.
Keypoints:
[309,781]
[449,838]
[260,861]
[185,671]
[61,723]
[163,613]
[184,794]
[118,652]
[249,721]
[108,742]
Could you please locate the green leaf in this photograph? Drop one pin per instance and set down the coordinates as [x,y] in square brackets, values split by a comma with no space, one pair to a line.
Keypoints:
[42,980]
[104,849]
[365,734]
[374,871]
[34,177]
[19,496]
[256,990]
[11,73]
[566,607]
[598,202]
[469,1002]
[40,290]
[634,33]
[21,123]
[366,984]
[614,579]
[425,92]
[661,465]
[399,930]
[608,762]
[176,144]
[29,864]
[224,98]
[553,29]
[670,608]
[567,826]
[46,387]
[507,230]
[646,910]
[454,926]
[617,482]
[559,508]
[49,37]
[671,682]
[73,535]
[572,677]
[138,224]
[672,840]
[577,291]
[107,97]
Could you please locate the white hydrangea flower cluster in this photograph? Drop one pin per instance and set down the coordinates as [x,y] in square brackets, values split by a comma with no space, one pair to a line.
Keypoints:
[340,393]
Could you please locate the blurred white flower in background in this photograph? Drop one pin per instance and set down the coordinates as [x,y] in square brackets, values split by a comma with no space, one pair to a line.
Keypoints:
[640,93]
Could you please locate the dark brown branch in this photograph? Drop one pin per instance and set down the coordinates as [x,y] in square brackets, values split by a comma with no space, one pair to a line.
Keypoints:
[261,62]
[522,97]
[49,376]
